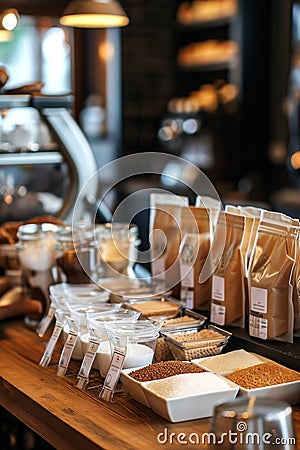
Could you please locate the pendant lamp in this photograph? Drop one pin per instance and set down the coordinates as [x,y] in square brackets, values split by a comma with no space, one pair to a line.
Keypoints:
[5,35]
[9,19]
[94,14]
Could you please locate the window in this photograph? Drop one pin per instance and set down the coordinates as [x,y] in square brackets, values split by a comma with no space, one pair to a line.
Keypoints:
[38,51]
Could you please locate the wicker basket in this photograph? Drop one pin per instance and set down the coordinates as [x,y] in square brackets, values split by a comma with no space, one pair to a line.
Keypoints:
[162,351]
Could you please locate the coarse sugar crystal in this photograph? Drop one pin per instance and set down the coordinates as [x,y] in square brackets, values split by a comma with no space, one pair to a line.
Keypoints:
[188,384]
[228,362]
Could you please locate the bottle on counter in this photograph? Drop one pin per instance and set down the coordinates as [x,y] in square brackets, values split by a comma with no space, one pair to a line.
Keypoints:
[37,255]
[117,244]
[76,253]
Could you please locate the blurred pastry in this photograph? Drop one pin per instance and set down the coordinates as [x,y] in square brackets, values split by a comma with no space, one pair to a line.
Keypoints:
[199,11]
[207,52]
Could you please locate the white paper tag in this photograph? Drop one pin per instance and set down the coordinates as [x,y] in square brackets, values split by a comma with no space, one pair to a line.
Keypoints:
[188,255]
[258,327]
[158,268]
[66,354]
[218,288]
[46,358]
[189,302]
[187,296]
[217,314]
[45,322]
[187,273]
[259,300]
[113,374]
[88,360]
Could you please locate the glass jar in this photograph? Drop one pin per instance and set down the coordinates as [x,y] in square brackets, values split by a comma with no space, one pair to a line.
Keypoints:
[76,253]
[117,244]
[37,256]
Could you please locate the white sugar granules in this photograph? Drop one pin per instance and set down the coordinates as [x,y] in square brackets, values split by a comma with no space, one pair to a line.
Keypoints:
[187,384]
[228,362]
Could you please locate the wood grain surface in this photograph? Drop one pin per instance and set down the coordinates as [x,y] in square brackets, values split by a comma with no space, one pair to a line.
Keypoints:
[69,418]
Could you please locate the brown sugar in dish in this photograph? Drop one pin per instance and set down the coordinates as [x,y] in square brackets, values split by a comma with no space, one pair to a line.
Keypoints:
[179,321]
[262,375]
[155,308]
[202,334]
[164,369]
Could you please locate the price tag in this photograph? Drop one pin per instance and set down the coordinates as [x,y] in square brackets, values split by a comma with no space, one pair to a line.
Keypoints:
[188,255]
[66,354]
[113,374]
[45,322]
[218,288]
[46,358]
[86,365]
[217,314]
[187,295]
[259,300]
[258,327]
[158,267]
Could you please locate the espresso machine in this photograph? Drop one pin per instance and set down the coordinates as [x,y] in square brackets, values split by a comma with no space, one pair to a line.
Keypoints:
[67,147]
[45,160]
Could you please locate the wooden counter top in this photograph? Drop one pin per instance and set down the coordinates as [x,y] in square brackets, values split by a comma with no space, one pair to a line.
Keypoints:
[71,419]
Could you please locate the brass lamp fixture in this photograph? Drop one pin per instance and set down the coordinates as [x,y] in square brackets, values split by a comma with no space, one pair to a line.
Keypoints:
[5,35]
[9,20]
[94,14]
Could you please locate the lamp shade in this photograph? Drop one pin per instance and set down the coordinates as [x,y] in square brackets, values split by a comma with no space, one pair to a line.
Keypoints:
[94,14]
[5,35]
[9,19]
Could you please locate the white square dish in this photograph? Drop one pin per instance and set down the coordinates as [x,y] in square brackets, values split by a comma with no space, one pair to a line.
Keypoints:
[189,407]
[288,392]
[134,387]
[236,359]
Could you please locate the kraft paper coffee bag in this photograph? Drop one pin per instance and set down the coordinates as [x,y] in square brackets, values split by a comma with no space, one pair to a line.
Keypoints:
[228,280]
[194,251]
[271,281]
[165,238]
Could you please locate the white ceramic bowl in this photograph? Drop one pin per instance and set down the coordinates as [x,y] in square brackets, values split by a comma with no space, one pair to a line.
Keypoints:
[288,392]
[235,360]
[134,387]
[190,407]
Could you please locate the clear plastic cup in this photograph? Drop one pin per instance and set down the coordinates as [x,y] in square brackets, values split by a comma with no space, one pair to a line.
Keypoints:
[97,325]
[137,339]
[97,334]
[80,312]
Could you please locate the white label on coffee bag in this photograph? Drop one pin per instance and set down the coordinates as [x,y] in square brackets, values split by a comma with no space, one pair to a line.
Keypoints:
[217,314]
[158,268]
[187,296]
[258,327]
[188,276]
[259,300]
[218,288]
[188,255]
[189,301]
